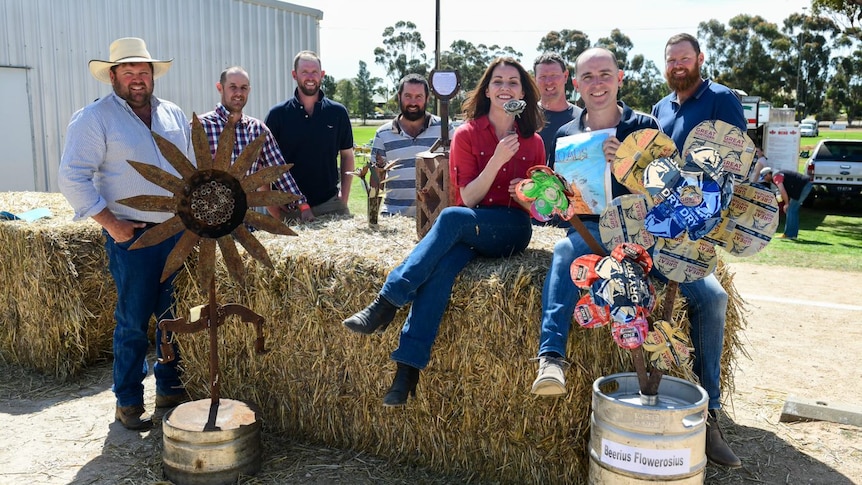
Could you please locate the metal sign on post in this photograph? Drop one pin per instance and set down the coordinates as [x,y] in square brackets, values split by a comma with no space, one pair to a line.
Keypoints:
[433,188]
[445,84]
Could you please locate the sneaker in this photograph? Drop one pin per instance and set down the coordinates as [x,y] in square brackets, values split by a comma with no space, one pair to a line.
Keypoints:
[134,417]
[551,380]
[164,401]
[785,236]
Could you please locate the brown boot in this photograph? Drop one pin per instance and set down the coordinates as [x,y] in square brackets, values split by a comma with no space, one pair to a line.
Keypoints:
[717,449]
[134,417]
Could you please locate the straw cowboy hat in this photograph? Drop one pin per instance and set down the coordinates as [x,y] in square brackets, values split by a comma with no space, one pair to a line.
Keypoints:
[127,50]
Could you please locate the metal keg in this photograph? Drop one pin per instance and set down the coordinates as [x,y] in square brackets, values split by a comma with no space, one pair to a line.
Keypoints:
[210,446]
[643,441]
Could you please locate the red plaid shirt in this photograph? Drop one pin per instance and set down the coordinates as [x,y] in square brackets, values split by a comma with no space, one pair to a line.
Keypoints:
[247,130]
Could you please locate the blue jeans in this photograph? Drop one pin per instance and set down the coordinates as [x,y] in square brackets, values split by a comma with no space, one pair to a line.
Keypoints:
[426,277]
[140,295]
[791,222]
[707,306]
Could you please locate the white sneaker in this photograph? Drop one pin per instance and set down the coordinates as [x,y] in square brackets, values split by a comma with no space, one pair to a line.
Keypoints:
[551,380]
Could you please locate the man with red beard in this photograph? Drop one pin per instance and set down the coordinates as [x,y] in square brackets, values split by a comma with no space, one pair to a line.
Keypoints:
[411,132]
[234,87]
[313,131]
[692,101]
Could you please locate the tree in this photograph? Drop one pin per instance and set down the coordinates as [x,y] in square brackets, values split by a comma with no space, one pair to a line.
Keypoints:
[330,87]
[366,86]
[470,61]
[567,43]
[347,95]
[642,84]
[813,34]
[403,51]
[742,56]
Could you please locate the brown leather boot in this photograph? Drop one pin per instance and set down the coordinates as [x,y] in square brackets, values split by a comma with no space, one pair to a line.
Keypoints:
[717,449]
[134,417]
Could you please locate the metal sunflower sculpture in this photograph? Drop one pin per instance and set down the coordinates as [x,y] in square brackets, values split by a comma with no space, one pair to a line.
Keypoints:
[211,203]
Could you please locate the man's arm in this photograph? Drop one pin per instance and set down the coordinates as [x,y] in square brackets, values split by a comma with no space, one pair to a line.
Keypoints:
[118,229]
[347,166]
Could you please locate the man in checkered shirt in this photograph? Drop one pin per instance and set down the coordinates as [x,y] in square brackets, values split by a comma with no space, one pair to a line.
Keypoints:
[234,87]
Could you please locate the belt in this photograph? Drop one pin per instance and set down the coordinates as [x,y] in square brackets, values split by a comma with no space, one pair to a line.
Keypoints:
[147,225]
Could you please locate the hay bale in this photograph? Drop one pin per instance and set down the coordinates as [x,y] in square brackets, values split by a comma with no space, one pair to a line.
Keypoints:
[474,411]
[57,303]
[319,382]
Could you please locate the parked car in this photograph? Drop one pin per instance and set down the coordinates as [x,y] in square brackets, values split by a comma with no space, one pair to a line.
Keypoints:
[809,128]
[835,169]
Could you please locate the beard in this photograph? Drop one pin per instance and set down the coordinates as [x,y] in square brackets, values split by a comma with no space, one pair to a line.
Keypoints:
[309,92]
[691,78]
[412,115]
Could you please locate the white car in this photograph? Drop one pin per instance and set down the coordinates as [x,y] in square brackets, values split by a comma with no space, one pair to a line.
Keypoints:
[808,128]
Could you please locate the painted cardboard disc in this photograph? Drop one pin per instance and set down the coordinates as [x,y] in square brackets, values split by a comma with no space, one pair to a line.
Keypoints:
[636,152]
[683,260]
[623,221]
[749,223]
[709,161]
[734,146]
[683,201]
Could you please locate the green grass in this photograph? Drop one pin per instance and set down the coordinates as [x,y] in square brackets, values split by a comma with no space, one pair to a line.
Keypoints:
[830,235]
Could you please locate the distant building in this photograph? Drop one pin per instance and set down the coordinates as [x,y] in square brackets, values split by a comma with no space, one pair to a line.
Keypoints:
[47,45]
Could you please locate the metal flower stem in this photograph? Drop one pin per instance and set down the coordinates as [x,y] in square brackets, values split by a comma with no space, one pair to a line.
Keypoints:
[648,381]
[213,324]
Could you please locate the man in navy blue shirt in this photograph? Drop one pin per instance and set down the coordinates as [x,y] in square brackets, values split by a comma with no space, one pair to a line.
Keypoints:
[692,101]
[312,131]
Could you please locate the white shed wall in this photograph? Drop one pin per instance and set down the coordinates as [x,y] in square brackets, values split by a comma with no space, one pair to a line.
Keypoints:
[55,39]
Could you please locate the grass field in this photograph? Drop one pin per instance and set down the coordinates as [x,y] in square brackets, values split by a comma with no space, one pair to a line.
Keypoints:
[830,235]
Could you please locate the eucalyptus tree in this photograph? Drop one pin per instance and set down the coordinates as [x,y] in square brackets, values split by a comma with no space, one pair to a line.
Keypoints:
[746,54]
[366,86]
[470,61]
[643,84]
[403,51]
[813,34]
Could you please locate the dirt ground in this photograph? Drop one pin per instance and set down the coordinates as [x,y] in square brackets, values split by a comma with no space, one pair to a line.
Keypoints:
[804,339]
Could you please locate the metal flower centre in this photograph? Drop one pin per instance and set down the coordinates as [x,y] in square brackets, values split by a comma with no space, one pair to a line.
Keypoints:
[215,204]
[212,203]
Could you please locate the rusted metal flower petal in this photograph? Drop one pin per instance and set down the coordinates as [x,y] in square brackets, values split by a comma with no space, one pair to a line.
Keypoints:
[159,177]
[263,177]
[201,145]
[174,156]
[178,255]
[154,203]
[247,157]
[252,246]
[270,197]
[232,259]
[267,224]
[169,228]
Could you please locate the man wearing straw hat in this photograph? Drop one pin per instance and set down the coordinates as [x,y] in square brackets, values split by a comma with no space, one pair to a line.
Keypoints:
[94,174]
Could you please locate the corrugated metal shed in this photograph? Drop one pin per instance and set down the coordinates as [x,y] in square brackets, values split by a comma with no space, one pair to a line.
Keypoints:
[52,41]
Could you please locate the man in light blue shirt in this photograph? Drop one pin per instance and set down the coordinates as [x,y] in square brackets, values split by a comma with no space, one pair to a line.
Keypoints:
[94,174]
[400,140]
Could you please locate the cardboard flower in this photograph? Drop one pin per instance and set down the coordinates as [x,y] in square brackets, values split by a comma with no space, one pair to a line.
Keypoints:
[547,193]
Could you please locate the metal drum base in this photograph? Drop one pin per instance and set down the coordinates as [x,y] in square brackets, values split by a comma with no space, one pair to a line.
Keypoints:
[195,453]
[634,442]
